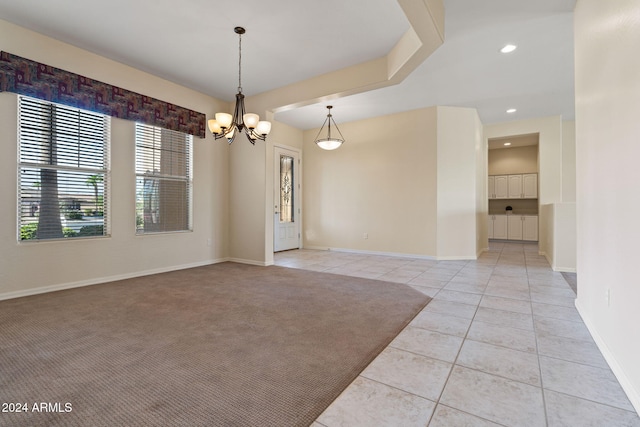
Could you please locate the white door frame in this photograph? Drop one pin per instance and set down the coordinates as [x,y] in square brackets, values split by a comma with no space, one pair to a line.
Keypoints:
[297,199]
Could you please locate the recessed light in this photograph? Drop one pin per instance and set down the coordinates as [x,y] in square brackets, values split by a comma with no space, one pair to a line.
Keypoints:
[511,110]
[508,48]
[506,144]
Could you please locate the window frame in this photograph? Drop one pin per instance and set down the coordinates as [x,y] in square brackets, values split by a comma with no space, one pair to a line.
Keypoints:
[157,177]
[30,137]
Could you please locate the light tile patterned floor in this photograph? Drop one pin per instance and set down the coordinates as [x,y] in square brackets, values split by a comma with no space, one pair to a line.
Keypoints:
[501,344]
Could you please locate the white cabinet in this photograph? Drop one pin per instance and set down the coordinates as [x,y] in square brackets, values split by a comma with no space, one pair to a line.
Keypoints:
[514,227]
[530,186]
[501,187]
[530,227]
[519,186]
[515,186]
[491,191]
[497,226]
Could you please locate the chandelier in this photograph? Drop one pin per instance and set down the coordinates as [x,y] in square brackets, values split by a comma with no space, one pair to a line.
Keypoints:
[329,143]
[228,126]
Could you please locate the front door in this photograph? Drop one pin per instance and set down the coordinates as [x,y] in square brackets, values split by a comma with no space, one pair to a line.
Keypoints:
[286,226]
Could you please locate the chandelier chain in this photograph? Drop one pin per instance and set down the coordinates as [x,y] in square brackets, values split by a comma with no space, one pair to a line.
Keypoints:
[240,63]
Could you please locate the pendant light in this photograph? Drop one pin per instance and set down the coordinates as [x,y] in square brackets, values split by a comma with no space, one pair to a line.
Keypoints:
[228,126]
[329,143]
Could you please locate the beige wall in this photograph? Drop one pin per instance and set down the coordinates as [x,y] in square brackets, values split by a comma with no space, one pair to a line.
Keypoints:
[251,193]
[411,187]
[482,208]
[569,161]
[505,161]
[565,239]
[28,267]
[607,36]
[459,133]
[382,181]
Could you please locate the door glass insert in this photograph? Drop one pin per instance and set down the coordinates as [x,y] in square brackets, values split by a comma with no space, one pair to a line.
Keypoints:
[286,189]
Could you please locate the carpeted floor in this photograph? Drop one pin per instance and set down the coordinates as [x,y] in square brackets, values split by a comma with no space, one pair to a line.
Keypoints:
[221,345]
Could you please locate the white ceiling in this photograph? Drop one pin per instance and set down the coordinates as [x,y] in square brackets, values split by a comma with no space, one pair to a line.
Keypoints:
[192,43]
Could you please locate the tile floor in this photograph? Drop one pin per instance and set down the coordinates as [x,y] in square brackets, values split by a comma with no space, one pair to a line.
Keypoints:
[501,344]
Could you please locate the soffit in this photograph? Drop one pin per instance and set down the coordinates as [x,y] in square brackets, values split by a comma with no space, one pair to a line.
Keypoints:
[289,43]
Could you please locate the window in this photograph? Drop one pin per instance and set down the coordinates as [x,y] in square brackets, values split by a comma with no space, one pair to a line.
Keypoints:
[64,175]
[163,180]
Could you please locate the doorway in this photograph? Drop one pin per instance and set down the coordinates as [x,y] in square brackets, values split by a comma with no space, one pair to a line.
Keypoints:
[513,183]
[286,197]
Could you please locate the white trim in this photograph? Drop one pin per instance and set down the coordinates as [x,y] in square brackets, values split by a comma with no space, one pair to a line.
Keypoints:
[356,251]
[564,269]
[393,254]
[100,280]
[297,201]
[457,258]
[544,254]
[251,262]
[481,251]
[627,385]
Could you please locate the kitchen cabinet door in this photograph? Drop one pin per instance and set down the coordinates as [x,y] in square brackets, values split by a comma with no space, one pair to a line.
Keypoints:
[530,185]
[491,219]
[514,227]
[515,186]
[500,227]
[491,191]
[501,186]
[530,228]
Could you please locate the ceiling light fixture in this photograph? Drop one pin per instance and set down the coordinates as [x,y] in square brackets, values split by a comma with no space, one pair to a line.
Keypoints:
[506,144]
[329,143]
[228,126]
[511,110]
[508,48]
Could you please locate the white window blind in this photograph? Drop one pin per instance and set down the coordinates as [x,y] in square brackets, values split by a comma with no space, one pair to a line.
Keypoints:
[163,180]
[64,175]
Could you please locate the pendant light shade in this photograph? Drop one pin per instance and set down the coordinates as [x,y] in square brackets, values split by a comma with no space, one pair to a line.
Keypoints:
[329,142]
[227,125]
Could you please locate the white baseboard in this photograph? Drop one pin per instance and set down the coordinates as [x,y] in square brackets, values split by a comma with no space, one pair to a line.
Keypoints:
[393,254]
[481,251]
[564,269]
[456,258]
[357,251]
[547,257]
[99,280]
[250,262]
[627,385]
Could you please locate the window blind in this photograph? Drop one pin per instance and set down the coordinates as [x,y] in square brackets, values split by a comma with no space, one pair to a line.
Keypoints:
[63,154]
[163,180]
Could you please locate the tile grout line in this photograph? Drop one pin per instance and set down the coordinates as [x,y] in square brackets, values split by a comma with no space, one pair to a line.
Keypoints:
[453,364]
[535,336]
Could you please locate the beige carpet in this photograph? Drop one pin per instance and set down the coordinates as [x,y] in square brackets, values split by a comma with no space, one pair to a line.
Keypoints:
[221,345]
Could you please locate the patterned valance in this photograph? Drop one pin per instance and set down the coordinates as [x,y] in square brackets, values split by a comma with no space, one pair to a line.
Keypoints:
[26,77]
